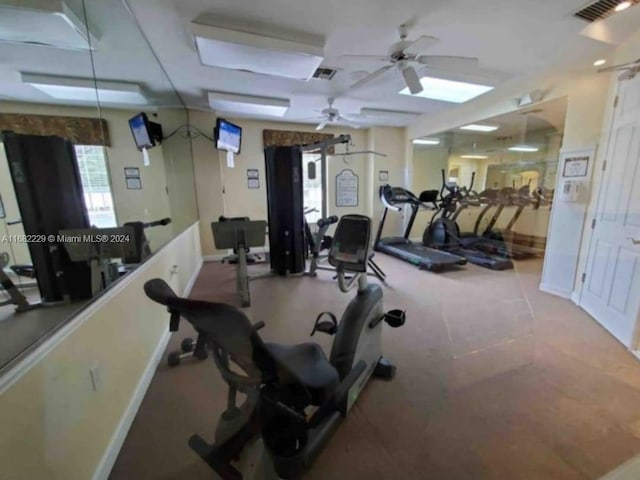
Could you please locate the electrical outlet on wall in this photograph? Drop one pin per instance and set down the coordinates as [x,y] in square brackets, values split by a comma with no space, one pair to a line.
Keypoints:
[95,373]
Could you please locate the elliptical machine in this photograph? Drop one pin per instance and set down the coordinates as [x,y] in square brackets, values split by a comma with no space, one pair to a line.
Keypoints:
[443,232]
[321,241]
[282,383]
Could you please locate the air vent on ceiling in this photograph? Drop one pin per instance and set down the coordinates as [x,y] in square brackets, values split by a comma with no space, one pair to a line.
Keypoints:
[600,9]
[325,73]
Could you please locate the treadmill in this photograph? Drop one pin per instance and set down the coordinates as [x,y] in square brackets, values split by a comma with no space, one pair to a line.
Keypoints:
[444,233]
[492,241]
[425,258]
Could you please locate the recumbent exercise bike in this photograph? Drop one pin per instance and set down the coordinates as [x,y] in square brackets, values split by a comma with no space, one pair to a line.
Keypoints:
[295,397]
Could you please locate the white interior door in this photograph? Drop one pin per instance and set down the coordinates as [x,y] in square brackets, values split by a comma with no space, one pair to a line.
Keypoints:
[611,293]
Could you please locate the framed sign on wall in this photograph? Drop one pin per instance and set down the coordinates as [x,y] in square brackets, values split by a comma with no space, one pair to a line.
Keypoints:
[576,166]
[347,189]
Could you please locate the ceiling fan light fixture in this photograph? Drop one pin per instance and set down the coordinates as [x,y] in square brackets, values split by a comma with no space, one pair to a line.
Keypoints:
[448,90]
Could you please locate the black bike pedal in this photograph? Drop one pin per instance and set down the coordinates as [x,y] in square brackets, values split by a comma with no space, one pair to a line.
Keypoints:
[327,327]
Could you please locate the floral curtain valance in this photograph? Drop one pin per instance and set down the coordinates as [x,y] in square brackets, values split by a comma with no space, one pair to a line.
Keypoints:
[289,137]
[80,130]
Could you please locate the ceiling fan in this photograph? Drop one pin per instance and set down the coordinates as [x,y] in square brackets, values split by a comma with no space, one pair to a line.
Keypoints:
[405,54]
[631,69]
[332,115]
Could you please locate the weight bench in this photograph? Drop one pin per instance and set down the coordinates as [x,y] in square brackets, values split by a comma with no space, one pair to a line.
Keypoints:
[240,236]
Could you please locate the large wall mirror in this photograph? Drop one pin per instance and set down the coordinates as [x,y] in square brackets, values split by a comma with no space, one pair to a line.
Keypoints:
[96,169]
[512,160]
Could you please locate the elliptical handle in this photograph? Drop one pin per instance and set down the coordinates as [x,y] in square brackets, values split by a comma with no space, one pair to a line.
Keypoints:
[473,179]
[328,221]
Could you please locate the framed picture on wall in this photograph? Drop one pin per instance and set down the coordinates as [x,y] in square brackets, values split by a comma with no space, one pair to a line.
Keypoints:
[383,175]
[253,173]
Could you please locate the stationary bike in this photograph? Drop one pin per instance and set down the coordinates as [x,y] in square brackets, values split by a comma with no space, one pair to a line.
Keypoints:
[295,397]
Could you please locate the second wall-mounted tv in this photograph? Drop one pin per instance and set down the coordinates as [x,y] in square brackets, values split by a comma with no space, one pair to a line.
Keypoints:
[146,134]
[227,135]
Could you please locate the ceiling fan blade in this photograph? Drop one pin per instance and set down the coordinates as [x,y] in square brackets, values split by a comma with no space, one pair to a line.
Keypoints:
[421,44]
[445,61]
[412,80]
[348,123]
[366,58]
[370,77]
[321,125]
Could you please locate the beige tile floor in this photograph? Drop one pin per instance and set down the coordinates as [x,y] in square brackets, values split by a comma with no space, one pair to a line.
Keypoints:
[496,380]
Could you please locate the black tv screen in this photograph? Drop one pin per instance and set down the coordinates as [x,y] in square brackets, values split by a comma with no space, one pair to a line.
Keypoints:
[228,136]
[141,131]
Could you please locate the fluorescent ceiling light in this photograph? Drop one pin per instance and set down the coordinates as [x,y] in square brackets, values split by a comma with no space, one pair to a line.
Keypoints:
[477,157]
[248,104]
[42,22]
[477,127]
[599,63]
[376,112]
[448,90]
[83,90]
[426,141]
[253,52]
[523,148]
[623,6]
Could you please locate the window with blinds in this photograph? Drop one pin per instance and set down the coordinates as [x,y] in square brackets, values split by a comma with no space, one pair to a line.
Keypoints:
[96,185]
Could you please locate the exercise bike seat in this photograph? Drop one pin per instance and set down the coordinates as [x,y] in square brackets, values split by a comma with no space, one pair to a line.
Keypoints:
[310,367]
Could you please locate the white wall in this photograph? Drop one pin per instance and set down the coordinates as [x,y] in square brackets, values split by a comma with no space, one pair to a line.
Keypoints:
[54,424]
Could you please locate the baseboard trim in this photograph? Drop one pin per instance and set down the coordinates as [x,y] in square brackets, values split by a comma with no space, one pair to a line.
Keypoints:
[219,256]
[575,298]
[213,258]
[556,291]
[194,277]
[117,439]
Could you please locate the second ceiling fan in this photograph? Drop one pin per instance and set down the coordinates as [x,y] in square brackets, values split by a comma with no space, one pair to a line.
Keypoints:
[404,55]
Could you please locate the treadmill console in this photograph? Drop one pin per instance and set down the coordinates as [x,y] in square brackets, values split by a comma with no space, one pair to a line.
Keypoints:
[396,195]
[351,243]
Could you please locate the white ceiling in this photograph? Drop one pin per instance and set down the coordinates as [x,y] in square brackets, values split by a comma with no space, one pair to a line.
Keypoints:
[512,39]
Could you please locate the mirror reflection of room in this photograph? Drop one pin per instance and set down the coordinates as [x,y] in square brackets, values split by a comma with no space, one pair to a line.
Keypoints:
[96,172]
[505,168]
